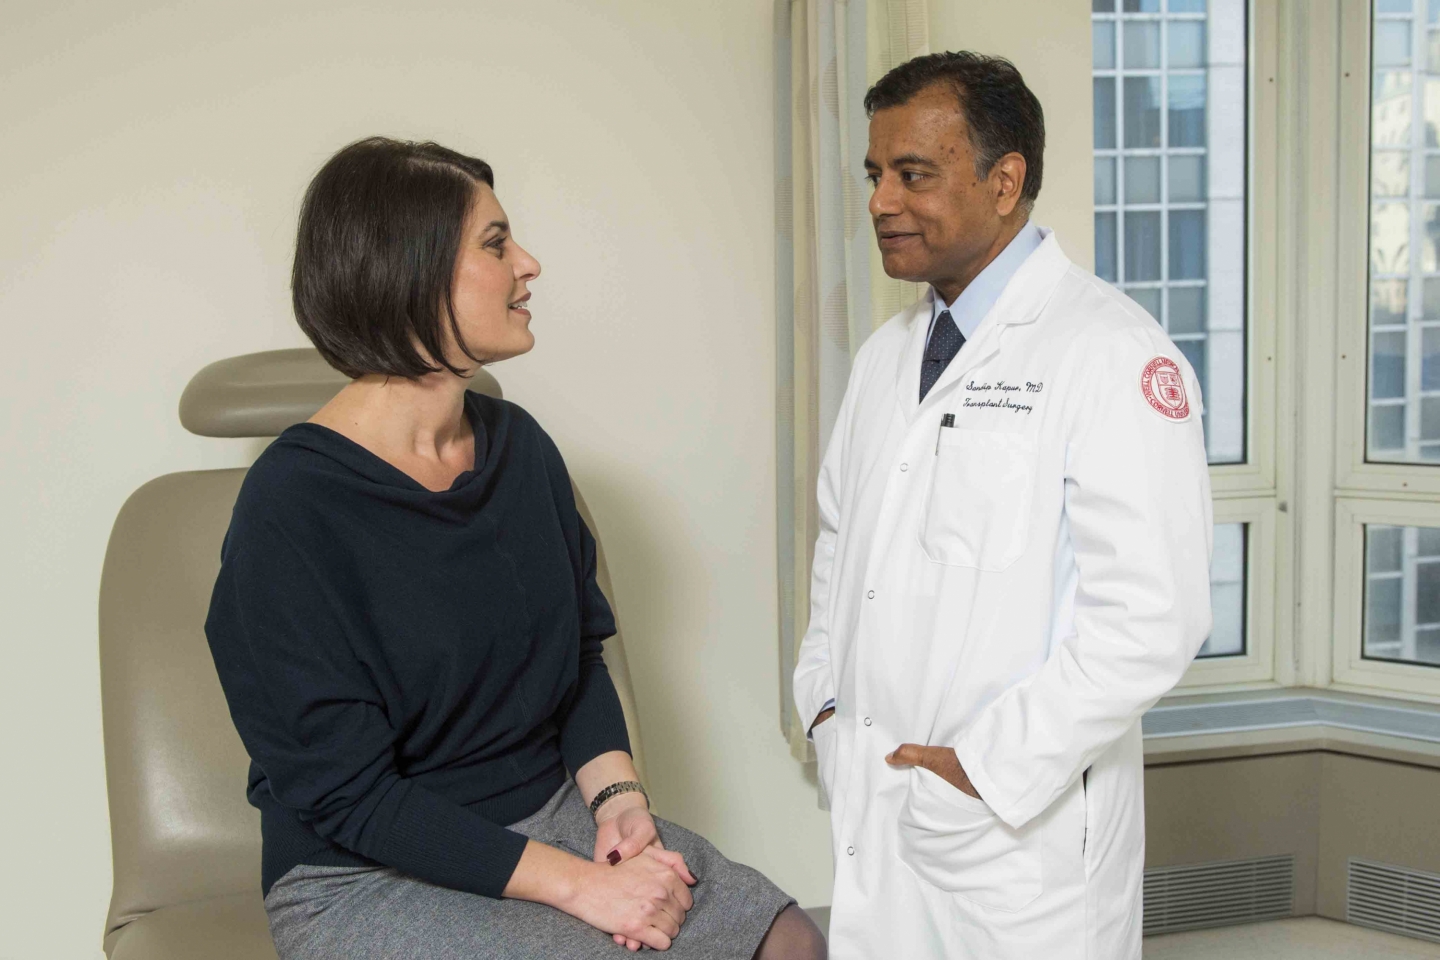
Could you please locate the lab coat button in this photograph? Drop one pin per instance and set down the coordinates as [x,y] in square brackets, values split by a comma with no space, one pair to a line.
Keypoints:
[871,595]
[850,851]
[867,721]
[904,467]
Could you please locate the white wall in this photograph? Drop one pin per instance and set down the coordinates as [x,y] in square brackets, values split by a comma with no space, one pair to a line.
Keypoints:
[1049,42]
[154,155]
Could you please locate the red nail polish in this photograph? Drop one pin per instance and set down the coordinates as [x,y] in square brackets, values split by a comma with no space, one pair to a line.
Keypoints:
[614,858]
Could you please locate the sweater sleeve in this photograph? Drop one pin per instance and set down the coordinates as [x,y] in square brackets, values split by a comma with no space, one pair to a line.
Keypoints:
[314,722]
[590,718]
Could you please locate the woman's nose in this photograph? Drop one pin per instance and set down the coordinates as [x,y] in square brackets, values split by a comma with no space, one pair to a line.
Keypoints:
[526,266]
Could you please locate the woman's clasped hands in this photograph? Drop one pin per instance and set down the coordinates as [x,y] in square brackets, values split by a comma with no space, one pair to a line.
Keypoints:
[645,891]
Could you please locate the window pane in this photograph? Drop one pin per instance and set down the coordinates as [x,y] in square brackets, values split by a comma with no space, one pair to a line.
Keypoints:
[1102,6]
[1227,592]
[1170,140]
[1390,109]
[1148,298]
[1402,594]
[1194,351]
[1390,174]
[1186,43]
[1187,310]
[1187,245]
[1104,181]
[1430,418]
[1142,44]
[1389,238]
[1105,247]
[1104,113]
[1403,422]
[1430,358]
[1392,43]
[1430,103]
[1187,179]
[1142,180]
[1387,366]
[1142,112]
[1103,46]
[1187,110]
[1387,302]
[1429,299]
[1387,429]
[1142,246]
[1382,549]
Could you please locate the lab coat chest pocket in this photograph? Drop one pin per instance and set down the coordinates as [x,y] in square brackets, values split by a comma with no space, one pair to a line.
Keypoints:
[955,842]
[977,509]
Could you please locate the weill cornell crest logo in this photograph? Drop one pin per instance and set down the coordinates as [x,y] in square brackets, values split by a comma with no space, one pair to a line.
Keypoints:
[1164,389]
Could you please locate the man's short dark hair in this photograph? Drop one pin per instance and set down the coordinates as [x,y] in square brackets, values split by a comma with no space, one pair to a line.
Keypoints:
[1001,112]
[380,228]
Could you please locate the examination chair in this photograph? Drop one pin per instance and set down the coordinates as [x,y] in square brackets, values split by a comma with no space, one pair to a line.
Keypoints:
[185,841]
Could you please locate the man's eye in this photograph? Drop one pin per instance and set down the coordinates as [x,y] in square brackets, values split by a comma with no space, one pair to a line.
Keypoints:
[873,179]
[910,176]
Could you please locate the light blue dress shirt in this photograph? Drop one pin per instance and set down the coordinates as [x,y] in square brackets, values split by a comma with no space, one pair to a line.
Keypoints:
[976,300]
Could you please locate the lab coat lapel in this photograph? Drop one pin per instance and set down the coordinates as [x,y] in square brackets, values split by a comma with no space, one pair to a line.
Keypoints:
[907,371]
[1024,297]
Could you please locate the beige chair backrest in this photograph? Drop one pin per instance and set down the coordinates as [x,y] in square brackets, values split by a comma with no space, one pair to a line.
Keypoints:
[181,828]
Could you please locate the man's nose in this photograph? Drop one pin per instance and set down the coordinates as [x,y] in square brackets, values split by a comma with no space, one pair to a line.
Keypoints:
[884,200]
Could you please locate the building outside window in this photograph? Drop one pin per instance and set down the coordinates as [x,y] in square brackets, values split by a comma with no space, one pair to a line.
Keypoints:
[1170,84]
[1402,562]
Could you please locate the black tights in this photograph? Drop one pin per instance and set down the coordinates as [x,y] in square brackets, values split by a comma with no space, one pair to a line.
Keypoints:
[793,936]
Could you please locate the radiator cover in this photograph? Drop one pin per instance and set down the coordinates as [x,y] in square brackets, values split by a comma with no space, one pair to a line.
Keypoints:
[1218,894]
[1394,899]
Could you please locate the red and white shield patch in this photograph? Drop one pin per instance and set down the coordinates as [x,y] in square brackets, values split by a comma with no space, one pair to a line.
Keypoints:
[1164,389]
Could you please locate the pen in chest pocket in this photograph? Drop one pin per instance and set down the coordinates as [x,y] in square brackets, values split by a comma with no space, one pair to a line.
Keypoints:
[946,421]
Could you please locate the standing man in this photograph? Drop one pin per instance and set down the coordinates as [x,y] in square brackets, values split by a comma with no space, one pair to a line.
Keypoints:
[1013,560]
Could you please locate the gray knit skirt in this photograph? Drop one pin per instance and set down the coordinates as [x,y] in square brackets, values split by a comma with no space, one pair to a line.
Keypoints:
[370,913]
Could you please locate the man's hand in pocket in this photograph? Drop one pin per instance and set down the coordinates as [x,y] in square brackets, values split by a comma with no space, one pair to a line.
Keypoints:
[940,761]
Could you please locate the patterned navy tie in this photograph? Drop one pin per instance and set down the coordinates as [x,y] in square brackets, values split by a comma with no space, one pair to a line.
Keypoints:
[945,341]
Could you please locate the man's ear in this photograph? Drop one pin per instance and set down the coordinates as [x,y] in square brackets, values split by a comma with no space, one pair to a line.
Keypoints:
[1008,176]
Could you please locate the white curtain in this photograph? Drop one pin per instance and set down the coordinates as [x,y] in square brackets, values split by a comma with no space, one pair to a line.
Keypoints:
[830,292]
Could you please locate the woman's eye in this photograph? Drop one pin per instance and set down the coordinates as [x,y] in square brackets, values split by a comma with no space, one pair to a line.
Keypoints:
[498,245]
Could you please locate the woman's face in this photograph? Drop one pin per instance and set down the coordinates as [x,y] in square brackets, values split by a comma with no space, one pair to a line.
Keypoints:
[489,290]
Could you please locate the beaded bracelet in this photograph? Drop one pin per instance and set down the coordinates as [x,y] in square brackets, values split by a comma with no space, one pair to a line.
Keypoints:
[614,790]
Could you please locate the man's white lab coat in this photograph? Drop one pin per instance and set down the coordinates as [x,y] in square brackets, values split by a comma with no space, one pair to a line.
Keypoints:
[1020,586]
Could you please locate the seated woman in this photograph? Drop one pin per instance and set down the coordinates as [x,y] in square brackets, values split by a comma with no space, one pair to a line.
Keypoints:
[408,629]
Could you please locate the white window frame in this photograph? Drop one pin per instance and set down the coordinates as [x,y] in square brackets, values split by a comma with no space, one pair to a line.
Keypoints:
[1354,476]
[1249,492]
[1361,492]
[1351,668]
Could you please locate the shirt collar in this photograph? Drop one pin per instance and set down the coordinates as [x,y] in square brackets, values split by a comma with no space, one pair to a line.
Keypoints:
[976,300]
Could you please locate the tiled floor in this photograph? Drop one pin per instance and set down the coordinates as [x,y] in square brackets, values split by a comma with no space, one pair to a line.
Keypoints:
[1304,938]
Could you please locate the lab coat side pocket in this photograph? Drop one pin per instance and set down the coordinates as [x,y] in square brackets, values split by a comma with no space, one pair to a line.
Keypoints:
[977,509]
[955,842]
[825,736]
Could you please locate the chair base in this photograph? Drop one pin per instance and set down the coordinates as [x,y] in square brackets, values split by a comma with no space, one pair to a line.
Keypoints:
[218,928]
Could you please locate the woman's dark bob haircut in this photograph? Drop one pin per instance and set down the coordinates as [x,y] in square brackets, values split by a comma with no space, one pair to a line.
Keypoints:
[380,228]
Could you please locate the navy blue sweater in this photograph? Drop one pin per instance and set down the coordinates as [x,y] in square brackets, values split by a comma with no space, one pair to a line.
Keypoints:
[410,670]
